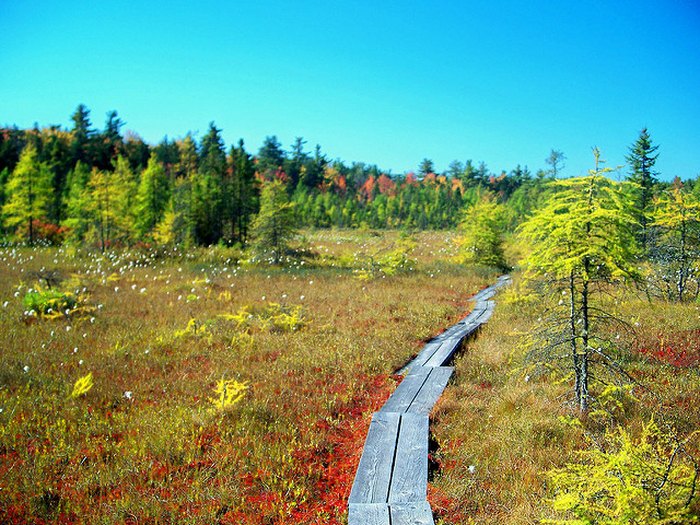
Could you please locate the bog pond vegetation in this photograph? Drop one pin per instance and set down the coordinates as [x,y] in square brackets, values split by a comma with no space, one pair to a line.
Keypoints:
[195,336]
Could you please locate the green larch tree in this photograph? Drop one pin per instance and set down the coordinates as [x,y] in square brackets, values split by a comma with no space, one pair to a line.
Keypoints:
[481,229]
[581,236]
[275,226]
[152,197]
[111,196]
[77,199]
[28,191]
[676,255]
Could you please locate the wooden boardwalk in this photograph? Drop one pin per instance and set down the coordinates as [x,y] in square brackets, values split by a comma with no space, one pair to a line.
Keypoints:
[391,483]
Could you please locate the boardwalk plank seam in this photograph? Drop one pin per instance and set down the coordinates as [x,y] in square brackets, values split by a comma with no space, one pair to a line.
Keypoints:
[390,486]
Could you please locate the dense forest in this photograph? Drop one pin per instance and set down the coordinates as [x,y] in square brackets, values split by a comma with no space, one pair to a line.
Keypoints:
[106,188]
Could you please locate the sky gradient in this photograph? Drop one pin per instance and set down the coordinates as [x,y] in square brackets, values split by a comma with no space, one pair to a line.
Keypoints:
[386,83]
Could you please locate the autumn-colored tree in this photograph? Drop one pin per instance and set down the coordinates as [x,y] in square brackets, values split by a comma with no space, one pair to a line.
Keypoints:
[583,235]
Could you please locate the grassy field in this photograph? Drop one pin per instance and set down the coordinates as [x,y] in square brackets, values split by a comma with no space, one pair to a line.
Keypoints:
[499,429]
[314,346]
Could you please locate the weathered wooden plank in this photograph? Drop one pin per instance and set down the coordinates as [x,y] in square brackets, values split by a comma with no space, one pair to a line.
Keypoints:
[373,476]
[407,390]
[484,294]
[426,353]
[368,514]
[409,481]
[431,390]
[417,513]
[473,316]
[444,353]
[466,328]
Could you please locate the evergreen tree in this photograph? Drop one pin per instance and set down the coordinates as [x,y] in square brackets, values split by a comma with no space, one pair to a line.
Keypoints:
[582,236]
[295,163]
[205,208]
[314,169]
[136,151]
[274,227]
[152,197]
[212,155]
[641,160]
[242,193]
[82,135]
[208,188]
[270,158]
[108,144]
[28,191]
[426,167]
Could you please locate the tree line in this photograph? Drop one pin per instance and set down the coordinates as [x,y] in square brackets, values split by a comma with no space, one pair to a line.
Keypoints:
[107,188]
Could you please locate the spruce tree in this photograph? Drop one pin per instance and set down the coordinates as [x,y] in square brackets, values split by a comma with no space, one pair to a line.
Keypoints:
[641,160]
[242,194]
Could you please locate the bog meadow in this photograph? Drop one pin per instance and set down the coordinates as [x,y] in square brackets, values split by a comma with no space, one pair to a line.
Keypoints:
[196,333]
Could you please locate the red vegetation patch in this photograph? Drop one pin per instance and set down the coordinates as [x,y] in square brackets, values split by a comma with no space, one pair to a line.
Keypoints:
[679,349]
[332,466]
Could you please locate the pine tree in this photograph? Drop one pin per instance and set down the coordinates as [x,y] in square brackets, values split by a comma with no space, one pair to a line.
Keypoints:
[580,237]
[641,159]
[274,227]
[28,191]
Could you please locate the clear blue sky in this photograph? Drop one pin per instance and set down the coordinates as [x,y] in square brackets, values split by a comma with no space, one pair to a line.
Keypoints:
[385,82]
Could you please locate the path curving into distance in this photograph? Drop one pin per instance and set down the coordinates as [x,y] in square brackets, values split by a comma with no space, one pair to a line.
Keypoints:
[391,484]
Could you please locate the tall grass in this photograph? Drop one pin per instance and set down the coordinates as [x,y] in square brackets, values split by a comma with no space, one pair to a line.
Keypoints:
[142,444]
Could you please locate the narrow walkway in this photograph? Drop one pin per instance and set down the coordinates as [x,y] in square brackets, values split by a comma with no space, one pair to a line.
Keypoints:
[391,483]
